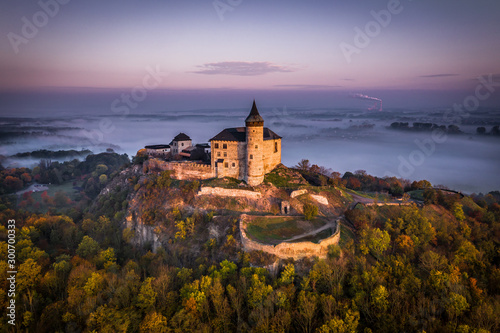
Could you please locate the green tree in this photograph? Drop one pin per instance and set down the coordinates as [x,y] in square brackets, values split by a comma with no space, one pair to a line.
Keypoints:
[347,325]
[303,165]
[87,248]
[28,279]
[154,323]
[458,211]
[147,296]
[374,241]
[101,169]
[310,211]
[287,275]
[103,179]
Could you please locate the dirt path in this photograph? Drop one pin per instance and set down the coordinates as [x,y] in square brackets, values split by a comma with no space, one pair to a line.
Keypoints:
[314,232]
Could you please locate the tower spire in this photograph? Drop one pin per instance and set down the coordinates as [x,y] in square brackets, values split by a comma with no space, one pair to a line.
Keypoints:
[254,116]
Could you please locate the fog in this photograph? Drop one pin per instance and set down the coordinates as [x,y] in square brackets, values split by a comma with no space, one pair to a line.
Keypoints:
[343,139]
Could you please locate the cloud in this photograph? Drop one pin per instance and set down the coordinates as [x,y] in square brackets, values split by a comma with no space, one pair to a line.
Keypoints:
[306,86]
[438,75]
[242,68]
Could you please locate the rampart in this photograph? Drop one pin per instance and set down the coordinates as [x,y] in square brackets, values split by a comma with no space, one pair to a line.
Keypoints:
[182,170]
[296,193]
[295,250]
[224,192]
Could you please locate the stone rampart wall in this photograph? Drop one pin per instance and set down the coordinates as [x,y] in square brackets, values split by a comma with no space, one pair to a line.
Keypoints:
[224,192]
[297,193]
[183,170]
[388,204]
[285,250]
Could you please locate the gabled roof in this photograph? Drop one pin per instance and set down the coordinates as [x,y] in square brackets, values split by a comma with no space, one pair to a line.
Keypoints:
[239,134]
[254,115]
[270,135]
[182,137]
[157,147]
[231,134]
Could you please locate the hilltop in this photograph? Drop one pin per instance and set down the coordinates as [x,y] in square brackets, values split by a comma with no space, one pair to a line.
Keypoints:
[135,249]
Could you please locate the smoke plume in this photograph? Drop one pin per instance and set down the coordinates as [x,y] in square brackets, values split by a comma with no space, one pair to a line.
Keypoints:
[378,101]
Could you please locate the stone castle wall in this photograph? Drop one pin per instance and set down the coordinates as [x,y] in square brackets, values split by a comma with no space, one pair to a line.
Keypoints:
[270,157]
[296,193]
[285,250]
[224,192]
[182,170]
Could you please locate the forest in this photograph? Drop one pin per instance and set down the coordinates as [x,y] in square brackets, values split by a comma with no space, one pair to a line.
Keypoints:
[426,267]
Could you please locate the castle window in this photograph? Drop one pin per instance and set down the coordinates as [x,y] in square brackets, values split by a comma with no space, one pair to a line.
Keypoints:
[225,154]
[224,146]
[251,156]
[275,147]
[216,145]
[234,164]
[218,154]
[182,144]
[225,165]
[256,146]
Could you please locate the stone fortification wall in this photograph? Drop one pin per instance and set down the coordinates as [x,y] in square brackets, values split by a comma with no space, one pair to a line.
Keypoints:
[388,204]
[297,193]
[224,192]
[285,250]
[182,170]
[271,156]
[318,198]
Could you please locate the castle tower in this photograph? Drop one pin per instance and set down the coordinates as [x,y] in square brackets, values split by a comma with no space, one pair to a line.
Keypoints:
[254,147]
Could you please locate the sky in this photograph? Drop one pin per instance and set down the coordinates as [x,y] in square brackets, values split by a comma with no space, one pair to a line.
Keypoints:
[322,45]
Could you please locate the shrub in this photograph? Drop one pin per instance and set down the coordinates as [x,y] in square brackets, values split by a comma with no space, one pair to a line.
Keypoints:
[310,211]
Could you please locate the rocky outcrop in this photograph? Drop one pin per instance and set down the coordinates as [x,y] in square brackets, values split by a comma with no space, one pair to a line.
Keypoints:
[319,198]
[143,234]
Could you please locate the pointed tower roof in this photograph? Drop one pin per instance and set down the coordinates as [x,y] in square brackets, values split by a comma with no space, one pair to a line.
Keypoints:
[254,115]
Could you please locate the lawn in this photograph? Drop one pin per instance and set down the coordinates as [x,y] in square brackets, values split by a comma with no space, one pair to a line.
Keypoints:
[316,238]
[273,230]
[417,195]
[67,188]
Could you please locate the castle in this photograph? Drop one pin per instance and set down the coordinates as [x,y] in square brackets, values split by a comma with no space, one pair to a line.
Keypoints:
[246,153]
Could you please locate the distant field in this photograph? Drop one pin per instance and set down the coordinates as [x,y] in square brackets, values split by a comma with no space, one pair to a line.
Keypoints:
[67,188]
[274,230]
